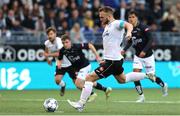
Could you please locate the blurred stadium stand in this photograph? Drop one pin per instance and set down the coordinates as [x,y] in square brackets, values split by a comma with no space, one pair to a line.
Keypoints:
[25,21]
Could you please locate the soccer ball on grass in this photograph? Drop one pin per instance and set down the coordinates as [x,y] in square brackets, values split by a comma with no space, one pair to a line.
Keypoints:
[50,105]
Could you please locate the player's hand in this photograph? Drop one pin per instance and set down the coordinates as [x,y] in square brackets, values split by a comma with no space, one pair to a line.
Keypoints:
[123,52]
[46,54]
[128,36]
[102,62]
[49,62]
[142,54]
[59,66]
[98,59]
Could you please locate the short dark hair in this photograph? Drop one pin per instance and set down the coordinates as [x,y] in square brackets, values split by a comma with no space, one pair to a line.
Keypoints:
[133,12]
[50,29]
[65,37]
[106,9]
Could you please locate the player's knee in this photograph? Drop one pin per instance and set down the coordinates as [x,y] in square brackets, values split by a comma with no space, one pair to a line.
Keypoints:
[79,84]
[57,80]
[89,77]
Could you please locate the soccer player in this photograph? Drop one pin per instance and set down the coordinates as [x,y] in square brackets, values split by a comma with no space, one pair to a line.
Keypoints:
[80,64]
[52,47]
[113,60]
[142,43]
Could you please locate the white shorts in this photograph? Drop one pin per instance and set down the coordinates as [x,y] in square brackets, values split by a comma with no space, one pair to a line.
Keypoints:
[148,63]
[83,72]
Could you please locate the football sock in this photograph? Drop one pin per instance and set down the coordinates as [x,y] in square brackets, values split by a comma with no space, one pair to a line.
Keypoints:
[100,87]
[86,91]
[92,92]
[138,87]
[159,82]
[135,76]
[62,83]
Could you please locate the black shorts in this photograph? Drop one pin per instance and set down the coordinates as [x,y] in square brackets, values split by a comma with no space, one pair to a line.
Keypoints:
[69,70]
[109,67]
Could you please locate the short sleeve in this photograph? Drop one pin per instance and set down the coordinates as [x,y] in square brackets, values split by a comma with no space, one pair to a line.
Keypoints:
[59,43]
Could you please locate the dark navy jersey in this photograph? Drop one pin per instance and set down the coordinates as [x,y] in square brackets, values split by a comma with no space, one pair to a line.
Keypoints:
[75,55]
[141,40]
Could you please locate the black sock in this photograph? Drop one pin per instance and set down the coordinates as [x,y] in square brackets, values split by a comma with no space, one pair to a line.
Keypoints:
[159,82]
[100,87]
[138,87]
[92,92]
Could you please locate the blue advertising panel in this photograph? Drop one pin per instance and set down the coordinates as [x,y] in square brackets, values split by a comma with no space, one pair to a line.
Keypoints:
[39,75]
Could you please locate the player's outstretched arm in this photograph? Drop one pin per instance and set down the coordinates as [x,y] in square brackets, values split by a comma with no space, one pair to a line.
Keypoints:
[91,46]
[129,28]
[46,52]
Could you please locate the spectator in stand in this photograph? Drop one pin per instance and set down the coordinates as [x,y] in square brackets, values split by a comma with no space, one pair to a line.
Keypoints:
[40,25]
[85,6]
[5,9]
[36,11]
[88,32]
[176,12]
[16,6]
[28,23]
[64,27]
[157,10]
[2,21]
[12,23]
[121,11]
[96,6]
[76,35]
[75,18]
[61,17]
[89,19]
[50,19]
[168,19]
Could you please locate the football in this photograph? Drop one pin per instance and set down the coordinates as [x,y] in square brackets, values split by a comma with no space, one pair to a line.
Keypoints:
[50,105]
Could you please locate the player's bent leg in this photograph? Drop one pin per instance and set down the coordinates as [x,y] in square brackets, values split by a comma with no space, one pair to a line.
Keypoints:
[86,92]
[132,76]
[79,83]
[163,85]
[138,87]
[61,83]
[165,90]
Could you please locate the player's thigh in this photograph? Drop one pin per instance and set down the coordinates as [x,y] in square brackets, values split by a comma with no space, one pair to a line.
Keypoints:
[92,77]
[59,74]
[137,63]
[79,83]
[104,70]
[121,78]
[83,72]
[149,64]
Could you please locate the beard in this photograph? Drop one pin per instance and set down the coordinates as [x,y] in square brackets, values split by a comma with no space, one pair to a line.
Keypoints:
[105,22]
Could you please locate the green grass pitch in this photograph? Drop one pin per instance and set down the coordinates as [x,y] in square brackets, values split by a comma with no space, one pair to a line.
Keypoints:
[121,102]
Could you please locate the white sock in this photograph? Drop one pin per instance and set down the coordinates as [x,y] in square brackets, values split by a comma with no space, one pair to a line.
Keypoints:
[62,83]
[86,91]
[135,76]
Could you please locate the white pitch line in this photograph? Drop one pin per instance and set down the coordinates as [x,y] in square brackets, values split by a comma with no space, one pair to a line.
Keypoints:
[28,100]
[151,102]
[41,100]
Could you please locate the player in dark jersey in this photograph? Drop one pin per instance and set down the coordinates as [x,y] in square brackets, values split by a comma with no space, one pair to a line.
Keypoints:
[80,64]
[142,43]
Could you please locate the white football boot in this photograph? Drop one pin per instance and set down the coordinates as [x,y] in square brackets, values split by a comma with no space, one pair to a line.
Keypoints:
[165,90]
[141,99]
[77,105]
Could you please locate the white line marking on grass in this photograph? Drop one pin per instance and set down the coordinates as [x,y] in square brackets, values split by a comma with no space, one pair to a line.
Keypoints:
[29,100]
[151,102]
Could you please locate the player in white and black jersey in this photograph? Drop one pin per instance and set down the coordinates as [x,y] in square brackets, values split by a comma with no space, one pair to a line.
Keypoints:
[142,43]
[113,60]
[52,47]
[80,64]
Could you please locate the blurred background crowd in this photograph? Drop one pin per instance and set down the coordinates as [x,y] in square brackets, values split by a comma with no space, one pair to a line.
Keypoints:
[78,17]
